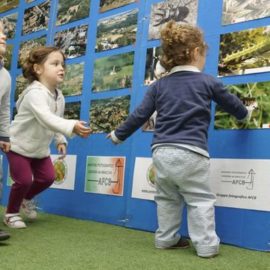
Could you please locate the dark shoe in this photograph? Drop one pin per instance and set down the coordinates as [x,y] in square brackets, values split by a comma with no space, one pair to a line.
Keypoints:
[182,243]
[4,235]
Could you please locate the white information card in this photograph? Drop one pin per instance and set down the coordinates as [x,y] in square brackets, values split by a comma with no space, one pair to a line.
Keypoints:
[241,183]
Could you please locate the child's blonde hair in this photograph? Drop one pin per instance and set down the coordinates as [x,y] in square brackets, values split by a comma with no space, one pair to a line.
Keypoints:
[37,56]
[178,43]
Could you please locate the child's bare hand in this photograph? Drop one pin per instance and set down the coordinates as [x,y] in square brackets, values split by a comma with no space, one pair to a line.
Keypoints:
[62,150]
[5,146]
[81,129]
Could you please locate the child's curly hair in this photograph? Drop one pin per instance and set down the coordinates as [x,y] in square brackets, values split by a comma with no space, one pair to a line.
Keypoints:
[178,43]
[37,56]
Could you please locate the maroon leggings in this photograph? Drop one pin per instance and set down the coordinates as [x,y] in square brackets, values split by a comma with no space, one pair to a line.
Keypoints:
[30,175]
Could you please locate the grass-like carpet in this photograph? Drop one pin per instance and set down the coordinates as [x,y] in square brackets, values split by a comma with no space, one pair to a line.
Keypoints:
[59,243]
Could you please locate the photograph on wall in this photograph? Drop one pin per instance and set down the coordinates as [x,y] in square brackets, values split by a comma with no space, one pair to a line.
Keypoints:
[113,72]
[236,11]
[28,46]
[241,183]
[105,175]
[8,4]
[149,125]
[72,110]
[244,52]
[144,176]
[65,170]
[73,82]
[107,114]
[72,41]
[117,31]
[10,22]
[36,18]
[255,95]
[153,68]
[8,56]
[106,5]
[72,10]
[181,11]
[21,84]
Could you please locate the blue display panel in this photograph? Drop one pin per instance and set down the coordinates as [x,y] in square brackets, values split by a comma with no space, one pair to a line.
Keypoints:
[112,67]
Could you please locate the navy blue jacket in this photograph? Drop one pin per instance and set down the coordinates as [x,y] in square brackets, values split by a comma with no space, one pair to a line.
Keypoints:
[183,104]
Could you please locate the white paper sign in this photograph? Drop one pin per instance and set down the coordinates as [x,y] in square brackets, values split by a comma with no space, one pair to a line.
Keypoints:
[241,183]
[144,179]
[65,170]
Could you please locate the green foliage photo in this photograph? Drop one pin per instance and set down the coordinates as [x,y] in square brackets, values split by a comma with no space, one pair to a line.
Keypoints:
[72,84]
[113,72]
[258,92]
[245,52]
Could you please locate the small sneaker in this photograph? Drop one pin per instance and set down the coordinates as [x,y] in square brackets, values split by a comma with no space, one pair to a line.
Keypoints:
[14,221]
[28,207]
[181,244]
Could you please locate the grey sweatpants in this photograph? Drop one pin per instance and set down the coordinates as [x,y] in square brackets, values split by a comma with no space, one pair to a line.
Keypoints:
[183,178]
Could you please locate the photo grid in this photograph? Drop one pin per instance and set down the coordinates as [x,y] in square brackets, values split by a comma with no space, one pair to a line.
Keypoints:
[113,35]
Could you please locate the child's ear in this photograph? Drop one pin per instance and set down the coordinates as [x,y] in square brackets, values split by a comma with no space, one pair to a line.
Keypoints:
[196,53]
[37,69]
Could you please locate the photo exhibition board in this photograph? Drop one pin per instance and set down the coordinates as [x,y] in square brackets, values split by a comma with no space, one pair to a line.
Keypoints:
[112,50]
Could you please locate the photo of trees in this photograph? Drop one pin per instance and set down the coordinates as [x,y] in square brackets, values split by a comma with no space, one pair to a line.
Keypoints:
[21,84]
[72,10]
[72,110]
[8,56]
[29,45]
[106,114]
[113,72]
[245,52]
[252,94]
[117,31]
[72,84]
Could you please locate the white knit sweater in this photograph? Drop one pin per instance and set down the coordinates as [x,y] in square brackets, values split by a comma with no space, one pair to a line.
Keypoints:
[38,121]
[5,84]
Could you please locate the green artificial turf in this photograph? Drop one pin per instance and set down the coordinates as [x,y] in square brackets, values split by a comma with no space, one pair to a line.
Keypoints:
[59,243]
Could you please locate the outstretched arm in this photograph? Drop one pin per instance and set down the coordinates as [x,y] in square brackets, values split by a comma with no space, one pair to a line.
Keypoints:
[134,121]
